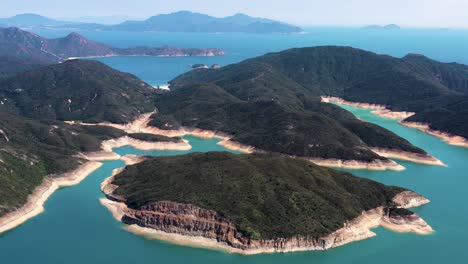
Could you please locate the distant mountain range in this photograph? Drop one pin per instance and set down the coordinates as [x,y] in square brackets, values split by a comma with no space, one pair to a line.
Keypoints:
[183,21]
[24,44]
[385,27]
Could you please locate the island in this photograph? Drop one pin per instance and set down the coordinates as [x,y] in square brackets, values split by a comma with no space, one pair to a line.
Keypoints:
[24,44]
[256,203]
[385,27]
[181,21]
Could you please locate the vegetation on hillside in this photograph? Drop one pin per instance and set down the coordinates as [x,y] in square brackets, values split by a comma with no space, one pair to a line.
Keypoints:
[266,196]
[295,78]
[263,107]
[77,90]
[31,149]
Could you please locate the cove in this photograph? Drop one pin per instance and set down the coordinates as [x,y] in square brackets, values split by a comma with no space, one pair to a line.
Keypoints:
[76,228]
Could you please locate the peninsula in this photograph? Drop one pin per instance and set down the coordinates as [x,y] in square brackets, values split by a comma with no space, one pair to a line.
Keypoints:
[423,92]
[24,44]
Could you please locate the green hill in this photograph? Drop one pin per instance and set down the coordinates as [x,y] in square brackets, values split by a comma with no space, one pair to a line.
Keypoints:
[30,150]
[77,90]
[266,196]
[292,77]
[262,105]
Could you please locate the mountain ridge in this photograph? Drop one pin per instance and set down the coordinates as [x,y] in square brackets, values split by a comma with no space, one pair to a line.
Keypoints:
[181,21]
[30,45]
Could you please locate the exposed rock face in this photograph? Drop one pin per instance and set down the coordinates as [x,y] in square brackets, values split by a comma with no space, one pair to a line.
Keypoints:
[198,225]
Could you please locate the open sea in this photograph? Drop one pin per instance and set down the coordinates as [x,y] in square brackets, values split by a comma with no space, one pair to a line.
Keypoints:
[76,228]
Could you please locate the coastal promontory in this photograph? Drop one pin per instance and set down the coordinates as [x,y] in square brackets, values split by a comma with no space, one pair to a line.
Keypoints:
[255,203]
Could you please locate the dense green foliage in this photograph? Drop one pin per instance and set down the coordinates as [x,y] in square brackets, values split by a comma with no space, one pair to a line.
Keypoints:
[30,150]
[413,83]
[261,106]
[266,196]
[77,90]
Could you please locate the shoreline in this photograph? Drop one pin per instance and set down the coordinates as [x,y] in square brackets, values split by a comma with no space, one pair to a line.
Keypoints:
[141,55]
[353,230]
[408,156]
[378,165]
[450,139]
[380,110]
[36,200]
[140,125]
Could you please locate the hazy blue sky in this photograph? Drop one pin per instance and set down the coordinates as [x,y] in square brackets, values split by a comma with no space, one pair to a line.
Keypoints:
[425,13]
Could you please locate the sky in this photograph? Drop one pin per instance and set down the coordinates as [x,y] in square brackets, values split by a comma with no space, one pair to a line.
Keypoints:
[414,13]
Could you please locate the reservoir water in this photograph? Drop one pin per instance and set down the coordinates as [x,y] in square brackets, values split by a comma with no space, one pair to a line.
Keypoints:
[76,228]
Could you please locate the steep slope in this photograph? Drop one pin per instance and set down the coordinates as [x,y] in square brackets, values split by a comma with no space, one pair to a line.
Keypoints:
[77,90]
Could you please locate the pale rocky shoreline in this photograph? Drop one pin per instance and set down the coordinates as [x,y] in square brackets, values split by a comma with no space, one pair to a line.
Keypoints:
[378,165]
[382,111]
[408,156]
[140,125]
[35,204]
[354,230]
[447,137]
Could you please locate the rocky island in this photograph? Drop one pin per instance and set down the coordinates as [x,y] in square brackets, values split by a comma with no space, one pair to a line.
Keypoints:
[255,203]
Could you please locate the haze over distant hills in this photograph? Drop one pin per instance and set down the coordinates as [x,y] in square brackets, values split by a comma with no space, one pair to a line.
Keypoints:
[182,21]
[24,44]
[386,27]
[30,20]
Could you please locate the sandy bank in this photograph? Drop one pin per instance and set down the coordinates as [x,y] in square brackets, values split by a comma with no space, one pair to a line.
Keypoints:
[110,144]
[447,137]
[358,165]
[132,159]
[140,125]
[36,201]
[380,110]
[354,230]
[408,156]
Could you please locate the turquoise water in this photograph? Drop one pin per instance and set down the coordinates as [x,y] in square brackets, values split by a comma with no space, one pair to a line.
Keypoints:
[76,228]
[444,45]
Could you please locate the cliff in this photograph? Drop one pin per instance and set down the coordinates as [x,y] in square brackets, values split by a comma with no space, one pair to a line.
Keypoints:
[222,217]
[191,225]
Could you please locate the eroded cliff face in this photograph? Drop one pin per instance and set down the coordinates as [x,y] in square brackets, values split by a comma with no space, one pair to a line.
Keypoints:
[187,219]
[197,225]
